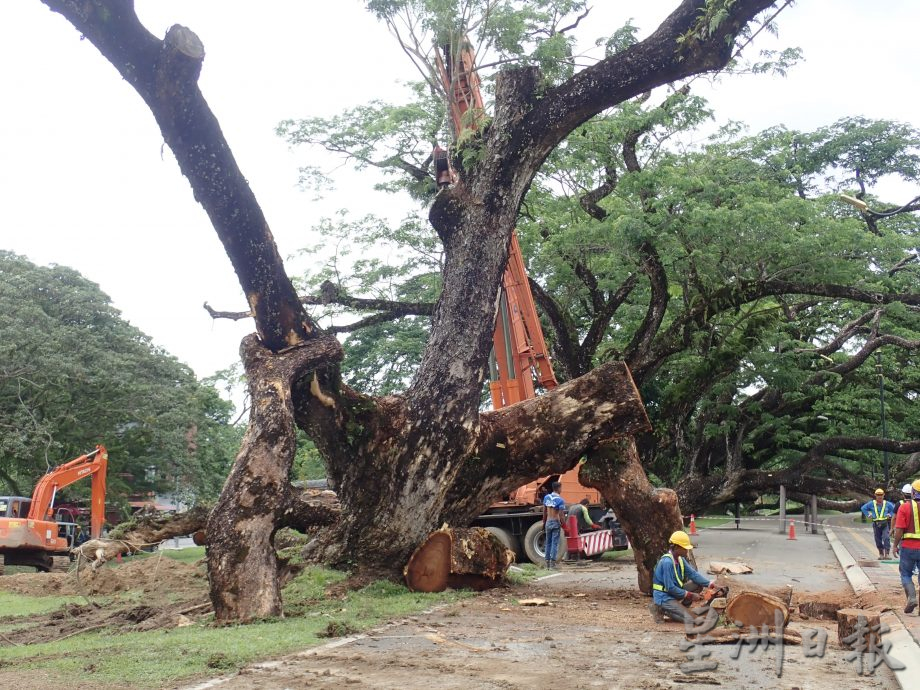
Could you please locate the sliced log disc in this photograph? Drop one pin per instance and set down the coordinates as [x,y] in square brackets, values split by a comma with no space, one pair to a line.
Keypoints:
[848,622]
[429,566]
[462,557]
[754,608]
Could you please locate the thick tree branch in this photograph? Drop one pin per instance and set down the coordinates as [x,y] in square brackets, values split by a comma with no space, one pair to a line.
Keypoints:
[676,50]
[165,74]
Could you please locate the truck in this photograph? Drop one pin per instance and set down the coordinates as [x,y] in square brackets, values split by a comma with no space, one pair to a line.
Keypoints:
[33,532]
[519,363]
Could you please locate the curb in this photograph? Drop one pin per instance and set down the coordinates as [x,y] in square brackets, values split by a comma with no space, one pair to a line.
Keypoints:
[856,576]
[903,646]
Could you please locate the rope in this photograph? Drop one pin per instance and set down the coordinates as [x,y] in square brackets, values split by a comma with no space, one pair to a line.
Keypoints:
[730,522]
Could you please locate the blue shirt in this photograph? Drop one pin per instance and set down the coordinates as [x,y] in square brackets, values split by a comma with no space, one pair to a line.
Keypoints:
[884,511]
[554,500]
[666,576]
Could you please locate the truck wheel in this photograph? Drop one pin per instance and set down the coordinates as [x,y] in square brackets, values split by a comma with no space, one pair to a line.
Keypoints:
[508,540]
[535,545]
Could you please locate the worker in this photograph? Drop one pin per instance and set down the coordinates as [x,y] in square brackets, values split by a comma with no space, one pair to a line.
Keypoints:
[580,512]
[553,512]
[906,544]
[880,512]
[675,582]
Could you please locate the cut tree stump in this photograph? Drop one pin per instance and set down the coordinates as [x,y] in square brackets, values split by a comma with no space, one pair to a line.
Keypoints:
[848,621]
[754,608]
[460,557]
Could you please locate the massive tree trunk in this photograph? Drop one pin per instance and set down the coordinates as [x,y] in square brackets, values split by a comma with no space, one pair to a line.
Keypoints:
[257,497]
[648,515]
[408,485]
[403,465]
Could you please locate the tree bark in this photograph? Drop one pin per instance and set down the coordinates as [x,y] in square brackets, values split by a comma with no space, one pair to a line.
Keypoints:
[242,565]
[647,515]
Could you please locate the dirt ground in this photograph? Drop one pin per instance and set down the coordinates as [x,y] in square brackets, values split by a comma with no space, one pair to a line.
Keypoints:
[168,589]
[595,631]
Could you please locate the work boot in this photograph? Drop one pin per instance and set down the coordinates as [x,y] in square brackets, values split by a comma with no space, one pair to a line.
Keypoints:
[656,612]
[911,605]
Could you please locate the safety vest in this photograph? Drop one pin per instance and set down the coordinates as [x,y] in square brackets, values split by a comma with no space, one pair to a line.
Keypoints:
[879,517]
[679,576]
[915,514]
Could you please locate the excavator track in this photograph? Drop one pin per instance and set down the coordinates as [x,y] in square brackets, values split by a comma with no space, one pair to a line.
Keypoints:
[60,564]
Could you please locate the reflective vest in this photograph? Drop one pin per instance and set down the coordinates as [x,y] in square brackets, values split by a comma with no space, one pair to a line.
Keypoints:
[879,517]
[915,514]
[679,576]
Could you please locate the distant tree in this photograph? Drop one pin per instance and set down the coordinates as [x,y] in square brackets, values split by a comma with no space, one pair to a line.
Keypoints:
[74,374]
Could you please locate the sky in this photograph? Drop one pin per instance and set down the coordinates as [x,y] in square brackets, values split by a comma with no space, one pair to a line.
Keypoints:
[87,182]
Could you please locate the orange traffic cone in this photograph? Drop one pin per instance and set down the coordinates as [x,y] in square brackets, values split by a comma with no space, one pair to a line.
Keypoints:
[791,529]
[693,524]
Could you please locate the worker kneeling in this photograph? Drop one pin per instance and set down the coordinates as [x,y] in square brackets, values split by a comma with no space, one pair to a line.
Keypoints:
[675,583]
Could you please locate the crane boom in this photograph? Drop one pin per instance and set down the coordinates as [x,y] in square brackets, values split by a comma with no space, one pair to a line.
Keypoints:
[519,354]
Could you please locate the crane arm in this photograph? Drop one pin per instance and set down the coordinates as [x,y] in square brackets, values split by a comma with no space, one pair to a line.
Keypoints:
[519,353]
[93,464]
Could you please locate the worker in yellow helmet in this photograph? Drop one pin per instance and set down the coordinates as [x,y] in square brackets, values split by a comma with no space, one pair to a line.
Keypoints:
[880,512]
[675,582]
[906,542]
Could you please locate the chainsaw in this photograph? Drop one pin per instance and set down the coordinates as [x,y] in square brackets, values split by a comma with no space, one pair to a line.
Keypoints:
[711,593]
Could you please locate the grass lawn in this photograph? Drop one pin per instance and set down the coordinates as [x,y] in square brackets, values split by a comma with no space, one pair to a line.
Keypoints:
[165,657]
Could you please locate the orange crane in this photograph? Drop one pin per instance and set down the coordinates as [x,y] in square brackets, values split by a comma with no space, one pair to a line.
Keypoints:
[29,533]
[520,360]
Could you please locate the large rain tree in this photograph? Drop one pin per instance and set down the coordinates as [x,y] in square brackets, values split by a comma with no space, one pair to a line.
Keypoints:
[744,295]
[403,464]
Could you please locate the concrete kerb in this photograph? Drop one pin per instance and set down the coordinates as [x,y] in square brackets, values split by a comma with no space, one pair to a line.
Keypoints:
[903,646]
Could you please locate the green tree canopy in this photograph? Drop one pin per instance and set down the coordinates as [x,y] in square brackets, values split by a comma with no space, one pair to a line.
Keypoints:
[74,374]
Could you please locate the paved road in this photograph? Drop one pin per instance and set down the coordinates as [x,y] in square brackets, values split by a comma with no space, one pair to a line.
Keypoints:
[807,563]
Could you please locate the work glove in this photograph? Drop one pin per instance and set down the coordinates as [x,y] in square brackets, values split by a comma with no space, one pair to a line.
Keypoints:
[691,597]
[594,525]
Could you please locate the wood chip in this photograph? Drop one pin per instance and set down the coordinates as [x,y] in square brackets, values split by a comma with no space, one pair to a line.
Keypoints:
[534,602]
[719,567]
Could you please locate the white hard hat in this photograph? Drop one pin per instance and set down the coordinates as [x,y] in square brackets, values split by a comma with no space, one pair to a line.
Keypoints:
[905,489]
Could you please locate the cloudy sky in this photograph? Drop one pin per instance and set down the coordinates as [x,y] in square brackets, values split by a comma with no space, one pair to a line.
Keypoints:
[87,182]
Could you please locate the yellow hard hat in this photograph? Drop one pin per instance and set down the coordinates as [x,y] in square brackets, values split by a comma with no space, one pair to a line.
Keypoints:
[916,485]
[681,538]
[879,492]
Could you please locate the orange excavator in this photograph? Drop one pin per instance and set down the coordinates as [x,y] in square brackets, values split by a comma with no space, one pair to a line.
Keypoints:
[31,533]
[520,359]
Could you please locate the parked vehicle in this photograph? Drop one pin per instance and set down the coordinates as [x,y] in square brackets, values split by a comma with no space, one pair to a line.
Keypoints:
[32,532]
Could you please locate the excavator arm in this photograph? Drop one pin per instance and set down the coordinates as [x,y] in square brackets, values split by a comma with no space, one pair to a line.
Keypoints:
[93,464]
